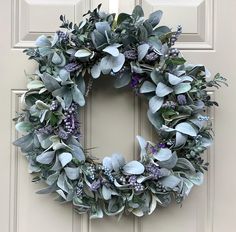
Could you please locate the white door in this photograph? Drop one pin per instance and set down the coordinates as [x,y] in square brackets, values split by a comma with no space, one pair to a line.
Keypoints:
[113,118]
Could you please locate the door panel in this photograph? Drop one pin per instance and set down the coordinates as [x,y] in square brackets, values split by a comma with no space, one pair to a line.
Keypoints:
[112,118]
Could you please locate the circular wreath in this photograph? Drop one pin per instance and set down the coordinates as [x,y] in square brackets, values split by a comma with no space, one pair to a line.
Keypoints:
[139,54]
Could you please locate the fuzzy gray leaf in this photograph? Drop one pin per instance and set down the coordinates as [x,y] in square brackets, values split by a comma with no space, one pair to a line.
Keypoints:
[133,168]
[46,157]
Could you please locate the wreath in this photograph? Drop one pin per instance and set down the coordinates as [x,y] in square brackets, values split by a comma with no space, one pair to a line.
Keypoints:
[137,53]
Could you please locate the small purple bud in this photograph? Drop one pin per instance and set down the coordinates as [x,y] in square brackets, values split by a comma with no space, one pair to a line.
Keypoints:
[95,185]
[181,99]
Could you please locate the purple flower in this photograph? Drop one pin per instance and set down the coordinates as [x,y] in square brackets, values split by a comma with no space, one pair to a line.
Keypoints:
[71,67]
[47,130]
[132,180]
[131,54]
[181,99]
[95,185]
[135,80]
[153,170]
[152,56]
[161,145]
[63,134]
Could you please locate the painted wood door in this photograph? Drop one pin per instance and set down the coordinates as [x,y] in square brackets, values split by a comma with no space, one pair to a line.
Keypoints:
[113,118]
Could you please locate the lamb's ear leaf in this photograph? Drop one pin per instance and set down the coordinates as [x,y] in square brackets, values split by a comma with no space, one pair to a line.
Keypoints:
[78,97]
[133,168]
[142,50]
[147,87]
[46,157]
[50,82]
[137,12]
[155,104]
[122,80]
[24,127]
[155,17]
[186,128]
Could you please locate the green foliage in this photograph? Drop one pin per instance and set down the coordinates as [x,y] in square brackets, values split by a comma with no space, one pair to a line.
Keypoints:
[138,54]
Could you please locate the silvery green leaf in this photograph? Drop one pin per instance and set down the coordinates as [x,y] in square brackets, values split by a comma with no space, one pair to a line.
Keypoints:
[44,51]
[106,162]
[96,214]
[170,181]
[106,192]
[99,40]
[197,178]
[82,23]
[68,98]
[83,53]
[153,205]
[96,70]
[185,164]
[54,40]
[156,119]
[56,59]
[42,41]
[170,163]
[77,152]
[41,105]
[133,168]
[46,157]
[167,129]
[109,63]
[43,115]
[112,50]
[163,154]
[138,212]
[35,84]
[118,62]
[117,161]
[24,127]
[156,44]
[188,185]
[143,144]
[61,183]
[162,30]
[50,189]
[147,87]
[72,173]
[155,104]
[137,12]
[64,74]
[206,142]
[182,88]
[52,178]
[186,128]
[164,172]
[163,90]
[197,122]
[142,51]
[61,193]
[174,80]
[186,78]
[50,82]
[102,27]
[122,80]
[180,139]
[57,165]
[78,97]
[65,158]
[156,76]
[25,143]
[155,17]
[141,179]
